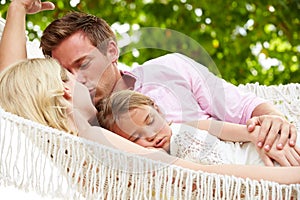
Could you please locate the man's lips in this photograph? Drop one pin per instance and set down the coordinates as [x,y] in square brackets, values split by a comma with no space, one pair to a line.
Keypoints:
[92,92]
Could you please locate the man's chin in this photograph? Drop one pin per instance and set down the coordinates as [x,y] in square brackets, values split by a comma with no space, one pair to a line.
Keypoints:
[96,99]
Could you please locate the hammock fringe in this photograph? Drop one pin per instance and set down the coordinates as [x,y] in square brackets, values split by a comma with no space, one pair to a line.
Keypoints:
[51,162]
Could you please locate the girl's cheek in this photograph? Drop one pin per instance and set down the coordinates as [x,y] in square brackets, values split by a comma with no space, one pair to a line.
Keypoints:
[142,143]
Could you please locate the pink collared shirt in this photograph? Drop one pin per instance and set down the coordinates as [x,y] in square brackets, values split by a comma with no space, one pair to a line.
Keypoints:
[185,90]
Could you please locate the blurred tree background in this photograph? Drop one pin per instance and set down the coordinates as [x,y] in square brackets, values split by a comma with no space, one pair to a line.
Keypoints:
[248,41]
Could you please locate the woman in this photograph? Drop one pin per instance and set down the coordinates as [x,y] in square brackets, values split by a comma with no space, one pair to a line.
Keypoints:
[72,115]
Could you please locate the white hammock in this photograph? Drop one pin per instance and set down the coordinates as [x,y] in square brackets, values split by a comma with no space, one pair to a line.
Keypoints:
[53,163]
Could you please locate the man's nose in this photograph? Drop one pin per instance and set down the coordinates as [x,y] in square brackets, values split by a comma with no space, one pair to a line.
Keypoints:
[79,77]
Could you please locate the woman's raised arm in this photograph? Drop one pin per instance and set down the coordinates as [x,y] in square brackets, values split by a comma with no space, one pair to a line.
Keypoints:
[13,41]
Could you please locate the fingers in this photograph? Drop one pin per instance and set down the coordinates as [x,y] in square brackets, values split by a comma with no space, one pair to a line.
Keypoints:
[283,158]
[293,158]
[269,133]
[273,127]
[47,6]
[36,6]
[265,127]
[289,156]
[251,123]
[283,162]
[267,161]
[284,136]
[293,135]
[297,150]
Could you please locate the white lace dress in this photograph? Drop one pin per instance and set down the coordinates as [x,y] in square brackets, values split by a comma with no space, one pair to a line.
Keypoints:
[199,146]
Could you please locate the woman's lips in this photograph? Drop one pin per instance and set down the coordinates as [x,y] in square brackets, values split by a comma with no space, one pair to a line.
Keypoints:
[92,93]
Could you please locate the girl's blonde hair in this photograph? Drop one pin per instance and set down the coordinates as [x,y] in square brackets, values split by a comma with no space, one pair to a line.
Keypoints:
[33,89]
[110,108]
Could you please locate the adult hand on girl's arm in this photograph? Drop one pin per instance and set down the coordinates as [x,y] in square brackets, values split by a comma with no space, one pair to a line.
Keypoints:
[273,125]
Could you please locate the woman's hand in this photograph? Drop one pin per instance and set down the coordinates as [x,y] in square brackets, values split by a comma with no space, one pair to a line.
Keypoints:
[34,6]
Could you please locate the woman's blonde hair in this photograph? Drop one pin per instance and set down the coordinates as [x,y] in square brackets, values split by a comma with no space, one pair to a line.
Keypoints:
[33,89]
[110,108]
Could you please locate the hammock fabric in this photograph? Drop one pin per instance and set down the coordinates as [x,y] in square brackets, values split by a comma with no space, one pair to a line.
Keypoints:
[56,164]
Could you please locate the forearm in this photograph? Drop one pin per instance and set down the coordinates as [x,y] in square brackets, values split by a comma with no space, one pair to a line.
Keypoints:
[13,42]
[283,175]
[266,109]
[110,139]
[225,130]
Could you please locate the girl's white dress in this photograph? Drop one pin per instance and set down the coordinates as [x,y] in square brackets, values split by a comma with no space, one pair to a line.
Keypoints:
[199,146]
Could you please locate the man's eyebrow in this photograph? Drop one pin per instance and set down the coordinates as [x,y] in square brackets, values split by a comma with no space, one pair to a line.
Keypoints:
[79,60]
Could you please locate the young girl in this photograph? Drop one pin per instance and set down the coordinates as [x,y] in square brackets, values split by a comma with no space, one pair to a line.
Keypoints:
[135,117]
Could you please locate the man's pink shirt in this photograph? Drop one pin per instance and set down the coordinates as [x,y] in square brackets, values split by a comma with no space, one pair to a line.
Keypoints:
[185,90]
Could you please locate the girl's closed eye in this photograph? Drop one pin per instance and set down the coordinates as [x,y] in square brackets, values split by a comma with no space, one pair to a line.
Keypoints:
[150,119]
[134,138]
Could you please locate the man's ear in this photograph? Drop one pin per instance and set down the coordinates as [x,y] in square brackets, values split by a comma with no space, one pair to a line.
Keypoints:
[113,51]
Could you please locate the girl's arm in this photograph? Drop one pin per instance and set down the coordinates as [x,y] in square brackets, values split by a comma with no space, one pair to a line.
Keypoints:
[227,131]
[285,175]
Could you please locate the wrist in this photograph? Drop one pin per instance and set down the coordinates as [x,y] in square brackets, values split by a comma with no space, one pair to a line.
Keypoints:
[17,7]
[254,135]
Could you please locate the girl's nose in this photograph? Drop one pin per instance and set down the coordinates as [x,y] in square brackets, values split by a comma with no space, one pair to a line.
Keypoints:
[151,138]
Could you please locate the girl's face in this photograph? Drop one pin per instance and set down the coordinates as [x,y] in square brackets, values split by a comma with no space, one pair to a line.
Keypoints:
[144,126]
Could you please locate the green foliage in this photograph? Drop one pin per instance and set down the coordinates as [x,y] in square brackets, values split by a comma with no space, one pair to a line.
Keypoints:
[248,41]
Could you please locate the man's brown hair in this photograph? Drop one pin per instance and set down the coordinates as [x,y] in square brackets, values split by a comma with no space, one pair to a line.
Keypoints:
[95,28]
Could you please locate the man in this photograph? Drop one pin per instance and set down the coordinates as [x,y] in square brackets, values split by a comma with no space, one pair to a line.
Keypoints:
[86,46]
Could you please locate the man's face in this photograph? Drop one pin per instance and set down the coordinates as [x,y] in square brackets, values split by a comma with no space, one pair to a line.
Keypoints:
[90,67]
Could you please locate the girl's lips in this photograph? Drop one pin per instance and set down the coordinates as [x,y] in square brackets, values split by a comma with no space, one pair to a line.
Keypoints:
[161,142]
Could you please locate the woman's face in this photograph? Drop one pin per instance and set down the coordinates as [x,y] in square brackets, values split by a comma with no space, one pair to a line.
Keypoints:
[78,95]
[144,126]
